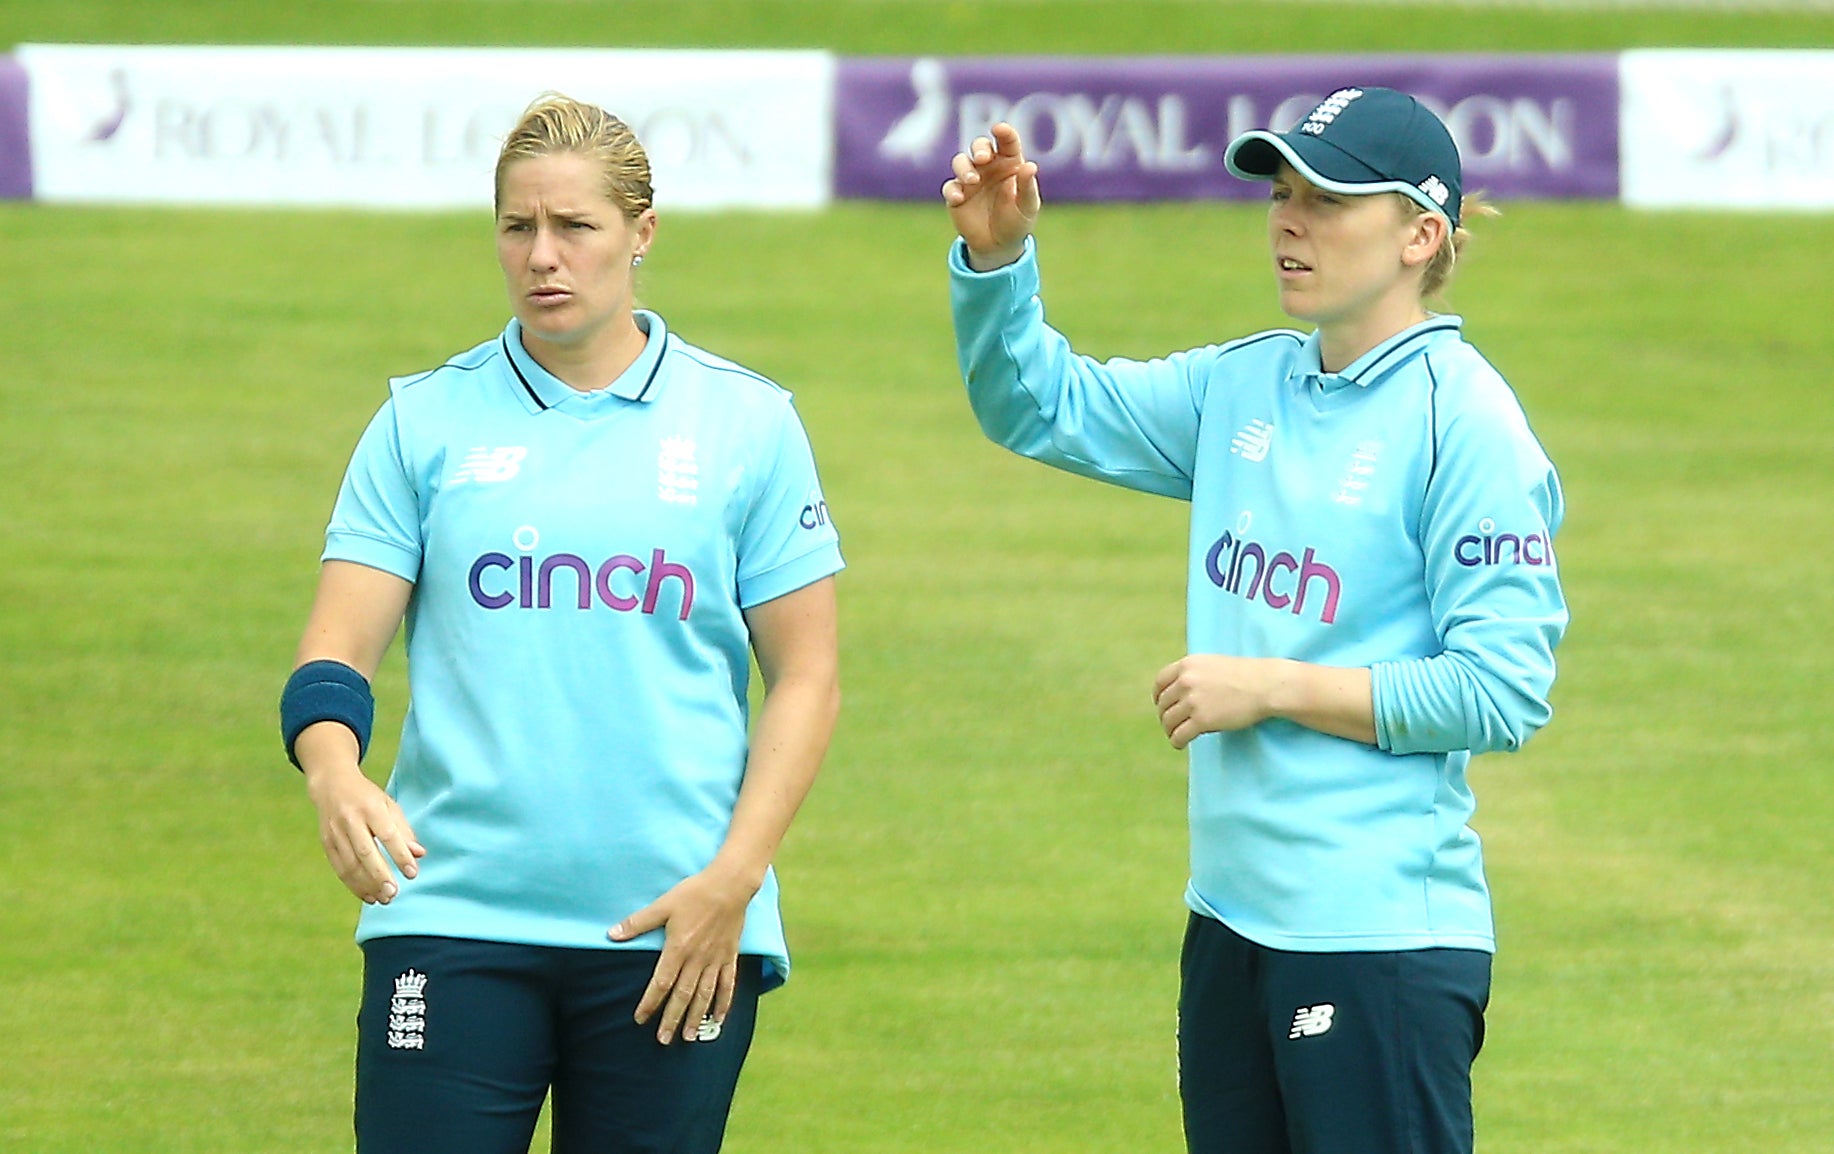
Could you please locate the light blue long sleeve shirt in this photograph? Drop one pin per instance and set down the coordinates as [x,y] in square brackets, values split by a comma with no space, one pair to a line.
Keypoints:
[1398,515]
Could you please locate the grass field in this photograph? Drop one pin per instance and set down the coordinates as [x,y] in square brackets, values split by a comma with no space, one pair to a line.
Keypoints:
[983,892]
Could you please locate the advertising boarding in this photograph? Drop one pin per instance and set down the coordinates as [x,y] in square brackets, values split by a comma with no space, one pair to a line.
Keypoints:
[1717,129]
[15,138]
[411,128]
[1144,128]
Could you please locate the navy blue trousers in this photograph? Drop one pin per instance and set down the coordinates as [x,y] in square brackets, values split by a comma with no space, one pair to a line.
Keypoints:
[459,1042]
[1331,1053]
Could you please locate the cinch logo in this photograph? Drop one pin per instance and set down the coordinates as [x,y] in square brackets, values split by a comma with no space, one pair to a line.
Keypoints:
[1488,547]
[534,582]
[1231,560]
[815,514]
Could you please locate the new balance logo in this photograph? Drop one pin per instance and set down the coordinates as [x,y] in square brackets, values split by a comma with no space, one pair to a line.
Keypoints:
[407,1012]
[1254,441]
[1311,1021]
[489,466]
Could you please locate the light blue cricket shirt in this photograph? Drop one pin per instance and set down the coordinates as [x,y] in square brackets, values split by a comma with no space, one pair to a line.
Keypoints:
[1398,515]
[577,725]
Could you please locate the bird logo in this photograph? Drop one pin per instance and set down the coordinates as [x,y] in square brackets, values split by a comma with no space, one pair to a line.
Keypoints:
[914,137]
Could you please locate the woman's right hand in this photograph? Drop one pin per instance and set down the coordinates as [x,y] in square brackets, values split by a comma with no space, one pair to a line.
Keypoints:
[993,198]
[355,614]
[354,814]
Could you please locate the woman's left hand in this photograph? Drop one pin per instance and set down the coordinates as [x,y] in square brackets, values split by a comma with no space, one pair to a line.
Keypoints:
[1216,693]
[1212,693]
[701,919]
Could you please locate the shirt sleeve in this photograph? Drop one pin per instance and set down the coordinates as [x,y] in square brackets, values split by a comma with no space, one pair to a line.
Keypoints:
[1492,507]
[787,539]
[1130,423]
[377,518]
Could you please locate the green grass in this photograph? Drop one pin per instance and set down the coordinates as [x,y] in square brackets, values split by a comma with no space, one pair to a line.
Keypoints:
[983,891]
[961,27]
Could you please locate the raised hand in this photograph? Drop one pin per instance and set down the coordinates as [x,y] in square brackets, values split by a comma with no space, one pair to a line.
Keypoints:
[993,198]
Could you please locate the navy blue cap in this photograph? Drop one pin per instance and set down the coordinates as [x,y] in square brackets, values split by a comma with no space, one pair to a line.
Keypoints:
[1361,141]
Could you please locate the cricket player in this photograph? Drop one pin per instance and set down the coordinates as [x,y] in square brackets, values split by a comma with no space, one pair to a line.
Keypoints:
[1373,598]
[589,526]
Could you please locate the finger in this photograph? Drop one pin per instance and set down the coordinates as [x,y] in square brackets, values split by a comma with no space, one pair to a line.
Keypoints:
[397,841]
[344,866]
[728,988]
[364,872]
[1006,139]
[997,171]
[1175,713]
[365,887]
[700,1007]
[1183,734]
[1166,676]
[650,917]
[1029,201]
[952,194]
[375,868]
[674,1011]
[662,981]
[982,150]
[407,831]
[964,169]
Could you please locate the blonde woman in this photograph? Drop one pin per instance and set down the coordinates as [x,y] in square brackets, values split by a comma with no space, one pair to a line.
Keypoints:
[589,527]
[1372,599]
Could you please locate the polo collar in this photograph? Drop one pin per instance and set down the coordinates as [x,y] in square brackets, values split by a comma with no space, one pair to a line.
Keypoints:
[1373,365]
[542,389]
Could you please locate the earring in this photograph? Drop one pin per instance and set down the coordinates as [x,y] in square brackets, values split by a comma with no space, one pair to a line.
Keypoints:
[636,260]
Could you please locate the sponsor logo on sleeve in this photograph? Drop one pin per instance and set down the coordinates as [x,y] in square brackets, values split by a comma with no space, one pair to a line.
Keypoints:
[814,513]
[1489,547]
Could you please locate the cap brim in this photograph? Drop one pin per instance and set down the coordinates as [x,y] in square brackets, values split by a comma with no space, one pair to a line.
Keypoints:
[1257,155]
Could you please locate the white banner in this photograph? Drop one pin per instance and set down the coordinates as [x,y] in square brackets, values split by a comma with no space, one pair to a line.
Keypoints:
[1727,129]
[412,127]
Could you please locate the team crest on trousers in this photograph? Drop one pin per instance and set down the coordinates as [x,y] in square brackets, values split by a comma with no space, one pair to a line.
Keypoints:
[407,1012]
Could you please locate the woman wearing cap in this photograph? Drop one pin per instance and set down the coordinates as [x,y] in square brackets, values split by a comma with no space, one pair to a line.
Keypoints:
[590,526]
[1372,599]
